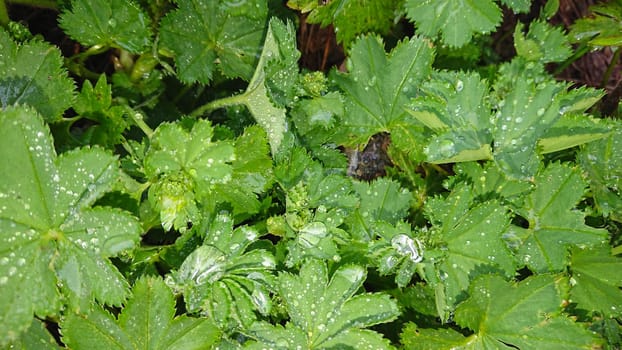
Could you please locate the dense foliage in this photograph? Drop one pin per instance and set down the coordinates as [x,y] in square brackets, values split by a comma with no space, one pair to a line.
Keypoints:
[178,181]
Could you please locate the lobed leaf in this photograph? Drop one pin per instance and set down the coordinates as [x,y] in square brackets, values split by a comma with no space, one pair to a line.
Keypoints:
[53,243]
[116,23]
[595,283]
[378,86]
[205,35]
[32,74]
[456,21]
[147,322]
[554,223]
[527,317]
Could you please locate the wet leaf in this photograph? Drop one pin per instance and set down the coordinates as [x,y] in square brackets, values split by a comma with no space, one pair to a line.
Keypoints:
[595,281]
[456,21]
[184,165]
[224,280]
[468,241]
[32,74]
[325,313]
[147,322]
[554,223]
[378,85]
[528,317]
[205,35]
[54,245]
[117,23]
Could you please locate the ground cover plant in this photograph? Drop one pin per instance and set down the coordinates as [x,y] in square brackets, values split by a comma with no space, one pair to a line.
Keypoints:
[174,178]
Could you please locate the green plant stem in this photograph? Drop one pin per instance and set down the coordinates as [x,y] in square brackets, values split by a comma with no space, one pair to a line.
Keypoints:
[612,64]
[48,4]
[220,103]
[138,119]
[4,14]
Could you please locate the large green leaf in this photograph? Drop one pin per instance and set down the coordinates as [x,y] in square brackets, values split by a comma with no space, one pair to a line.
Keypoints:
[456,20]
[554,225]
[205,34]
[147,322]
[117,23]
[377,85]
[530,119]
[469,239]
[32,74]
[325,313]
[54,247]
[527,316]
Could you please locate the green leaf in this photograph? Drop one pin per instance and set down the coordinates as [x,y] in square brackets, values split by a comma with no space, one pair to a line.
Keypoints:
[325,313]
[378,86]
[454,106]
[184,165]
[602,28]
[272,84]
[542,43]
[147,322]
[554,223]
[602,161]
[116,23]
[518,6]
[53,244]
[353,17]
[595,282]
[570,131]
[95,103]
[251,172]
[528,316]
[382,200]
[32,74]
[417,338]
[36,337]
[204,35]
[224,280]
[469,239]
[456,20]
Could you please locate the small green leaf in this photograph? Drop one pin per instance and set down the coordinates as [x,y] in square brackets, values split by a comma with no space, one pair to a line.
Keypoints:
[184,165]
[147,322]
[53,243]
[117,23]
[251,172]
[595,281]
[554,223]
[205,34]
[542,43]
[32,74]
[456,20]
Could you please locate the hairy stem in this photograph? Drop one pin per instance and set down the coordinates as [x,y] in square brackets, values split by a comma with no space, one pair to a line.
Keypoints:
[220,103]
